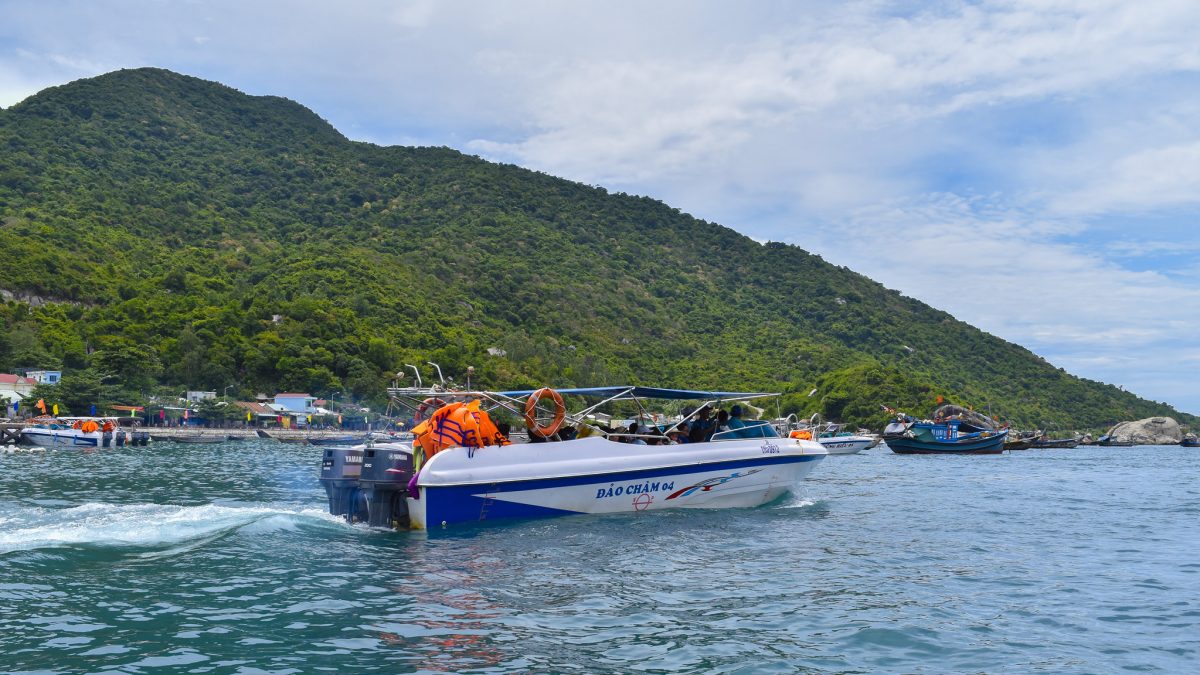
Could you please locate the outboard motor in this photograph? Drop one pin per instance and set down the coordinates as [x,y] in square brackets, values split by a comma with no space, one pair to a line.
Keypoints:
[386,471]
[340,468]
[106,439]
[119,438]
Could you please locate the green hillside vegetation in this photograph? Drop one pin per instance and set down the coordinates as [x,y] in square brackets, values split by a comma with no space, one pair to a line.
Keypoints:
[187,235]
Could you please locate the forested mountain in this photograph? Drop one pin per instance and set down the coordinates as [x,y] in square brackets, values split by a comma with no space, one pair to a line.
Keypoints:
[183,233]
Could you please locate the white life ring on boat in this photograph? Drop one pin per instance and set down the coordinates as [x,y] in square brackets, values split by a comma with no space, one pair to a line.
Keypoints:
[531,419]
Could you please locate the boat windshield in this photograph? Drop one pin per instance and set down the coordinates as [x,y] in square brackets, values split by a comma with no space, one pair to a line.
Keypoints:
[753,429]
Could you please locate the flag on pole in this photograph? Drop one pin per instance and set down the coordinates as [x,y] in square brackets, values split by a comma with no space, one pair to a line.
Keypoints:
[41,404]
[56,410]
[93,410]
[16,406]
[248,416]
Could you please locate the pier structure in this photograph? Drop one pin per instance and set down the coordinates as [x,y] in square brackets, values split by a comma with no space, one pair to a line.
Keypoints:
[10,433]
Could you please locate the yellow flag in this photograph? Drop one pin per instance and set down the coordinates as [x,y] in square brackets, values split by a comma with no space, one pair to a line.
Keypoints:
[310,419]
[56,409]
[248,416]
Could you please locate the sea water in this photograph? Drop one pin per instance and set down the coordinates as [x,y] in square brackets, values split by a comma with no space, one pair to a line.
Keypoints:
[220,558]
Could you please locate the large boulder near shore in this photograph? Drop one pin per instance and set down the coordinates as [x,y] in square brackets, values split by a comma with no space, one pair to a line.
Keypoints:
[1150,431]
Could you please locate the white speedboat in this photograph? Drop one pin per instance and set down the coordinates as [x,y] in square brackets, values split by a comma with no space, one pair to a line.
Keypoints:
[828,434]
[848,444]
[73,432]
[618,471]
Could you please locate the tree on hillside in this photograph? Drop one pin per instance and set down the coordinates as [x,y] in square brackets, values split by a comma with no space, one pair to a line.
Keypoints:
[133,368]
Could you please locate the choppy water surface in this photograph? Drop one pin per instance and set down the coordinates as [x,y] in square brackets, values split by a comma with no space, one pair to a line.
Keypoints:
[220,559]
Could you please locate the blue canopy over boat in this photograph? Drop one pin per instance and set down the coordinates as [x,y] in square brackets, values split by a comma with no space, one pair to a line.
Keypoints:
[632,392]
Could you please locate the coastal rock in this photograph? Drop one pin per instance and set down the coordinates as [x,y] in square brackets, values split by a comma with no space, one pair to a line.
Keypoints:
[1150,431]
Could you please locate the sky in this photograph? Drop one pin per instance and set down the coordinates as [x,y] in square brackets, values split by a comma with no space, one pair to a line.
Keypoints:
[1031,167]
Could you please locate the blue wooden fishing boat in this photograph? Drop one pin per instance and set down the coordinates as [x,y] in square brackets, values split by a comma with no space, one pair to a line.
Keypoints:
[952,431]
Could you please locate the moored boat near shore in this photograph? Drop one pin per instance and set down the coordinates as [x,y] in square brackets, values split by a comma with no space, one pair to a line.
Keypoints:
[953,430]
[828,434]
[1056,443]
[80,432]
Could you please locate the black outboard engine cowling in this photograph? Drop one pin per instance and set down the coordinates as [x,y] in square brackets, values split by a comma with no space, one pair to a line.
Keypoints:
[340,468]
[386,471]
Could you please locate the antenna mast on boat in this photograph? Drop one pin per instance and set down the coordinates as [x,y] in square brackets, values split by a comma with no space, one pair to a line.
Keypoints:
[416,373]
[439,372]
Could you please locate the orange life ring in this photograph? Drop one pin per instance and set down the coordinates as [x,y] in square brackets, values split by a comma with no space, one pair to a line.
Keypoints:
[431,401]
[531,421]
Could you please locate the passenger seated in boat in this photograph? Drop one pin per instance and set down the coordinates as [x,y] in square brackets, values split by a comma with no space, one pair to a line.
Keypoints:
[701,427]
[722,424]
[638,430]
[625,434]
[735,421]
[680,434]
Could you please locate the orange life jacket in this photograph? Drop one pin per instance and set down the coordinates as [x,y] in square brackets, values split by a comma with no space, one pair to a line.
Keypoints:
[457,425]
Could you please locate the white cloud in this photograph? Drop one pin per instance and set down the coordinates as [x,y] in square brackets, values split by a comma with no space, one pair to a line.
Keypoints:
[994,267]
[1149,179]
[413,13]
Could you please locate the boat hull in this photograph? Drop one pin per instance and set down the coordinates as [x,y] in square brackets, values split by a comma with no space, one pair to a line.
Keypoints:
[993,445]
[60,438]
[599,476]
[847,445]
[1061,443]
